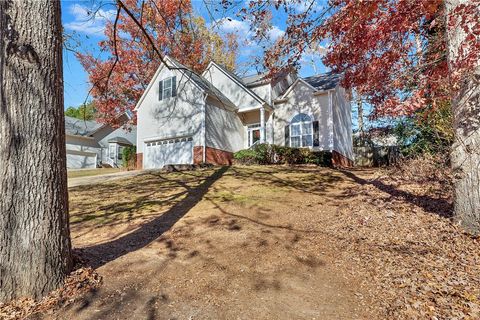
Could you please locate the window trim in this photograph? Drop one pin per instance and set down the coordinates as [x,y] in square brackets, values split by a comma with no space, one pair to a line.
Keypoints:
[170,88]
[250,128]
[166,88]
[301,129]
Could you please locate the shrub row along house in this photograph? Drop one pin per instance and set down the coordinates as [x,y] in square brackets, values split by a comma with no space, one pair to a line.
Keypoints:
[187,118]
[91,144]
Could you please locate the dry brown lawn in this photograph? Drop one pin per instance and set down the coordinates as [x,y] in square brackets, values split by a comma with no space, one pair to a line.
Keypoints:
[271,243]
[92,172]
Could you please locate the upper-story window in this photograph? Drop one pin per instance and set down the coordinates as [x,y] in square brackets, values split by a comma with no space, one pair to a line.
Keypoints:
[301,131]
[167,88]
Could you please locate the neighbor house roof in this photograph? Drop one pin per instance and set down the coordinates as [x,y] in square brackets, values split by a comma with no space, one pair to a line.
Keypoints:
[78,127]
[201,82]
[324,81]
[120,140]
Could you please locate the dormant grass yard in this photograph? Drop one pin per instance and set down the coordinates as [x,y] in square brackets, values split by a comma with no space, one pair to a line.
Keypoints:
[271,243]
[92,172]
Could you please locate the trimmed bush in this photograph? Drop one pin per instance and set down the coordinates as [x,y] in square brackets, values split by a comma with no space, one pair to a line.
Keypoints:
[129,157]
[246,156]
[273,154]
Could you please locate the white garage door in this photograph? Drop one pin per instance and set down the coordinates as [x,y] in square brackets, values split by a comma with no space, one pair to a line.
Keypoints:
[81,160]
[171,151]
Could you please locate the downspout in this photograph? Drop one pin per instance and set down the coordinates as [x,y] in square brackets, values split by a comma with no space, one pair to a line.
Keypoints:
[204,131]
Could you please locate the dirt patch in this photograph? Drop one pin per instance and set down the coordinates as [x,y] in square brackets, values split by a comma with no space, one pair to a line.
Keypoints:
[272,243]
[215,243]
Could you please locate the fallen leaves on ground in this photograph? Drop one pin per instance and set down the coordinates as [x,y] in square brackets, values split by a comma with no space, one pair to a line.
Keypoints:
[78,283]
[415,263]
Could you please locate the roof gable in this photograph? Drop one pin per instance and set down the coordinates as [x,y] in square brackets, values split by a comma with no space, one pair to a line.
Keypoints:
[195,79]
[324,81]
[317,83]
[235,79]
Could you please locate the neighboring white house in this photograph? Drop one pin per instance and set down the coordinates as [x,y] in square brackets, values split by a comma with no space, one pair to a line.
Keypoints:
[186,118]
[91,144]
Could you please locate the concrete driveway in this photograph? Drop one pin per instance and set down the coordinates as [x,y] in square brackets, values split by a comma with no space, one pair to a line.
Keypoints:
[81,181]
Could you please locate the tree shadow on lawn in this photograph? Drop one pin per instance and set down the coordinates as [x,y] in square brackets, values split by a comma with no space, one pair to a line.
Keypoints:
[438,206]
[313,180]
[98,255]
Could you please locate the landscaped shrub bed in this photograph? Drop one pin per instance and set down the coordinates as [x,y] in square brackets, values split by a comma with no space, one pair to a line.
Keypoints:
[273,154]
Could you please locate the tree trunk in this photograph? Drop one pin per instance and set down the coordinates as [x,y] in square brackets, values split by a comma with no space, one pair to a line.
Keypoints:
[35,249]
[466,148]
[361,128]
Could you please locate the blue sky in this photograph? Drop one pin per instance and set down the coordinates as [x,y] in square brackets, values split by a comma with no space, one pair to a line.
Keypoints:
[85,33]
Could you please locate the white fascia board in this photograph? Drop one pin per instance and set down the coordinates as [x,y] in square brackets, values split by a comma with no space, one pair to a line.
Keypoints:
[148,87]
[264,105]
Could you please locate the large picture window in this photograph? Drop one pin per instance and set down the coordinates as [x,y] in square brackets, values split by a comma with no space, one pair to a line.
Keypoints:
[301,131]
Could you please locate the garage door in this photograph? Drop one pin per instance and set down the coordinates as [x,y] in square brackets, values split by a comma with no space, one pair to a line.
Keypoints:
[170,151]
[81,160]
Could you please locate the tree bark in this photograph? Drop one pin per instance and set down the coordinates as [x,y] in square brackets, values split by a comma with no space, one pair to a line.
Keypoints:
[35,249]
[361,128]
[466,148]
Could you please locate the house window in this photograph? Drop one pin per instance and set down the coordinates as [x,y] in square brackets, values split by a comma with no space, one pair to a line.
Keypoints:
[167,88]
[112,148]
[120,152]
[253,134]
[301,131]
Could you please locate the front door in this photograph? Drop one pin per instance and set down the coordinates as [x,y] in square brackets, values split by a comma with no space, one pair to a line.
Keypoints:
[253,134]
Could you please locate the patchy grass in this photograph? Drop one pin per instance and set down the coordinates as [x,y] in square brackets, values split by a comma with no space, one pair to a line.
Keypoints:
[130,199]
[92,172]
[273,242]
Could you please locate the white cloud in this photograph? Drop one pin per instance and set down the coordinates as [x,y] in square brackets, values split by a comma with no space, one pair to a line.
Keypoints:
[229,25]
[89,21]
[242,29]
[275,33]
[305,5]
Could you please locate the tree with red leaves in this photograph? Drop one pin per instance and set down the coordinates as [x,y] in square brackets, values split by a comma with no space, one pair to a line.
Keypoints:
[137,40]
[402,56]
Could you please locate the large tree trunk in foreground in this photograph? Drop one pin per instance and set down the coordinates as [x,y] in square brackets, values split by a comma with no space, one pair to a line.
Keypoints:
[35,250]
[466,148]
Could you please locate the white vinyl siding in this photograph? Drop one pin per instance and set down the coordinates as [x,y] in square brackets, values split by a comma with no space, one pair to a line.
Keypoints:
[81,160]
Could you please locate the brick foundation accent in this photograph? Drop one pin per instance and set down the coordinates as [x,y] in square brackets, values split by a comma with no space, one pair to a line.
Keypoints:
[212,155]
[197,155]
[139,161]
[339,160]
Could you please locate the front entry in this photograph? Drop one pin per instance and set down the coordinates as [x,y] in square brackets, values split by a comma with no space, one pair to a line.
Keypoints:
[254,134]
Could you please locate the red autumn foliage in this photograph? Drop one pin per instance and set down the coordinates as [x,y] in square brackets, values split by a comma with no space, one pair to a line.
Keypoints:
[117,85]
[393,52]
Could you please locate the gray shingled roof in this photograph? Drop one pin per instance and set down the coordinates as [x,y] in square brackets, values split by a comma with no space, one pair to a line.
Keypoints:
[120,140]
[79,127]
[202,83]
[255,79]
[324,81]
